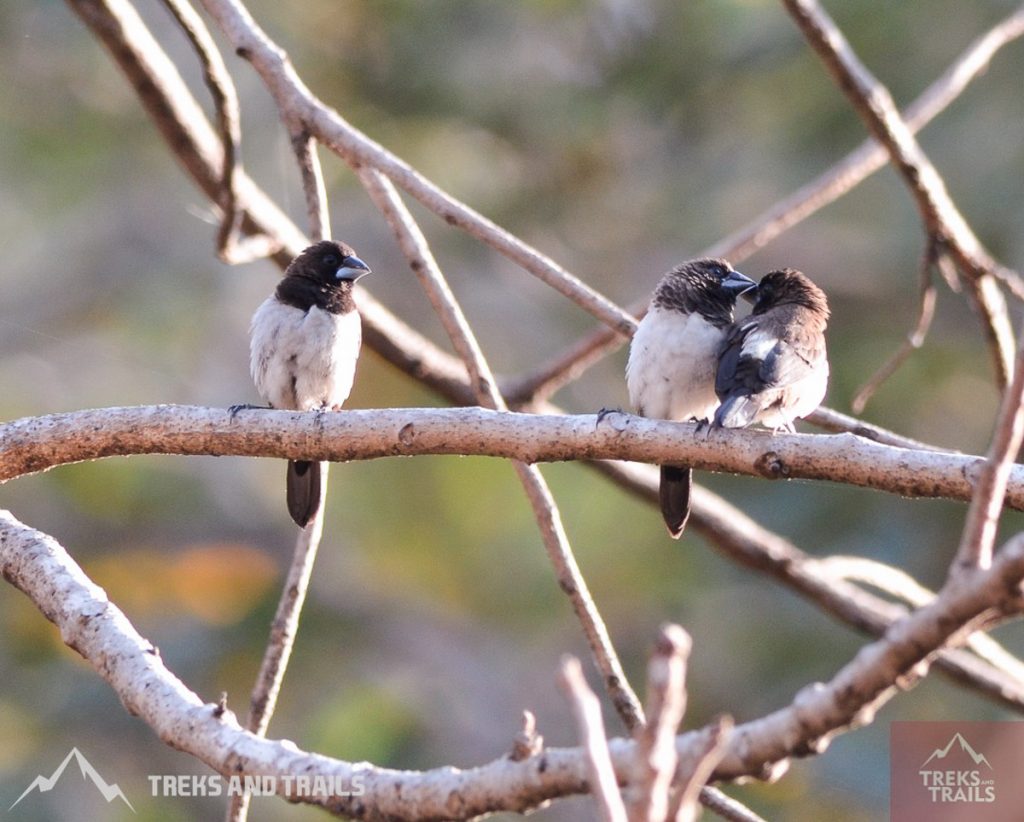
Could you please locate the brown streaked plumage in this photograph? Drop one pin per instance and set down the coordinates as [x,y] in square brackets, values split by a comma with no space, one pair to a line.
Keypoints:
[773,368]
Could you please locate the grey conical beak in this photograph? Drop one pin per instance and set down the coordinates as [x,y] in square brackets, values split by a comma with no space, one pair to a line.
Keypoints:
[740,285]
[352,268]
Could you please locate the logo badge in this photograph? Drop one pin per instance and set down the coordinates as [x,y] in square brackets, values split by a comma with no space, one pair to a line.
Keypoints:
[44,784]
[956,771]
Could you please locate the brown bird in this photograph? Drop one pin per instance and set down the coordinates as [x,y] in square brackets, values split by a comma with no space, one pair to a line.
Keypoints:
[773,368]
[304,343]
[672,360]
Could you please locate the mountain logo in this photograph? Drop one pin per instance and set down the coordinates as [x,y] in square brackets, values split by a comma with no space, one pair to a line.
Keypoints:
[965,747]
[44,784]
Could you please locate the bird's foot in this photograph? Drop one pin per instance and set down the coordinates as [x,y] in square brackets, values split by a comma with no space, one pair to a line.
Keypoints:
[245,406]
[604,412]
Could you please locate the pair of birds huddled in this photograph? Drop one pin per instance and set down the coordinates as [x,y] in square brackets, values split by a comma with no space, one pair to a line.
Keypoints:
[688,360]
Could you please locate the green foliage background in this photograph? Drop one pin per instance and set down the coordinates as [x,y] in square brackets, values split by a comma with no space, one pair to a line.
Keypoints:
[618,137]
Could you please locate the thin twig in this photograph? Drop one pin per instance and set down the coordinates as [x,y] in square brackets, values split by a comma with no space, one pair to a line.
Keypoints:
[942,220]
[305,148]
[587,710]
[914,340]
[979,534]
[666,704]
[709,754]
[284,629]
[414,245]
[527,742]
[231,247]
[291,94]
[836,422]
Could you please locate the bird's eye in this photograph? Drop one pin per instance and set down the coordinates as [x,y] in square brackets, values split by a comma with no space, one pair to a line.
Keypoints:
[331,260]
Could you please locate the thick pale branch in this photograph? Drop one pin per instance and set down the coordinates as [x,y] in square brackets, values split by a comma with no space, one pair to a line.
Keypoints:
[38,443]
[993,672]
[37,565]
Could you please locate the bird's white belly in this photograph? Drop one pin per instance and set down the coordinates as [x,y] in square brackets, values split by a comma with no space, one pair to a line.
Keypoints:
[671,368]
[303,359]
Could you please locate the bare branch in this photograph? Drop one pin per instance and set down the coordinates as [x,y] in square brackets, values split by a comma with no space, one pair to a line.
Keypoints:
[304,147]
[283,631]
[38,443]
[556,541]
[666,704]
[37,565]
[979,533]
[828,419]
[944,224]
[696,773]
[324,123]
[587,709]
[998,675]
[915,339]
[841,178]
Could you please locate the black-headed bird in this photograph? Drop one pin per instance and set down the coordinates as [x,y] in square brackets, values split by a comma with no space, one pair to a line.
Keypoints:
[773,368]
[304,343]
[673,358]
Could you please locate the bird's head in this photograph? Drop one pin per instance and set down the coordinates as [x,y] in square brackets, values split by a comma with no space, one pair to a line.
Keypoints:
[789,286]
[328,262]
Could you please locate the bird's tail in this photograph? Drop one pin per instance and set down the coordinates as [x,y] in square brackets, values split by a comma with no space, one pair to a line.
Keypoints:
[736,412]
[674,495]
[305,487]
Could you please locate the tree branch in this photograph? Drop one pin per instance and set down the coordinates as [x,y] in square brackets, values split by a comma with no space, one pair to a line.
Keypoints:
[38,566]
[556,542]
[946,227]
[996,674]
[844,176]
[37,443]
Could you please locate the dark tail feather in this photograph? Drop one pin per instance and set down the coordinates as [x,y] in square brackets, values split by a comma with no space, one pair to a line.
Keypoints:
[674,495]
[304,489]
[736,412]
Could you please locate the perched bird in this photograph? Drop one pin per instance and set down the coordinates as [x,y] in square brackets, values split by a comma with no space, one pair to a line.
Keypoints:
[304,343]
[773,368]
[672,359]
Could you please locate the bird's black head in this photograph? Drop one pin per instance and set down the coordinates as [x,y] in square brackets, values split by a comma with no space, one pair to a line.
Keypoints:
[792,287]
[322,276]
[329,263]
[707,286]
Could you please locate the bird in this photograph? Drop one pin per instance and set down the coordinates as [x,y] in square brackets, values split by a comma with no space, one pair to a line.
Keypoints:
[773,368]
[670,373]
[304,342]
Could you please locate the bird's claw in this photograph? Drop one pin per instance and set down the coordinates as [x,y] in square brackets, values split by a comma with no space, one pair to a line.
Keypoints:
[245,406]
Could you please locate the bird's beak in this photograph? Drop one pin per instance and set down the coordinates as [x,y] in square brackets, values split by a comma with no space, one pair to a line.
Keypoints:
[352,268]
[740,285]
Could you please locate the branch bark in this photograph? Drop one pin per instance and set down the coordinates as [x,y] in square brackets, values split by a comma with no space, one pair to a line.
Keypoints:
[39,443]
[90,624]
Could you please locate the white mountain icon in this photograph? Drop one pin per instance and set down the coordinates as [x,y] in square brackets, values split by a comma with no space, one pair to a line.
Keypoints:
[43,784]
[942,753]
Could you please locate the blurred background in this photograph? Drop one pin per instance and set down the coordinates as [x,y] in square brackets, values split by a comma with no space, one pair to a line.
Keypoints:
[619,137]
